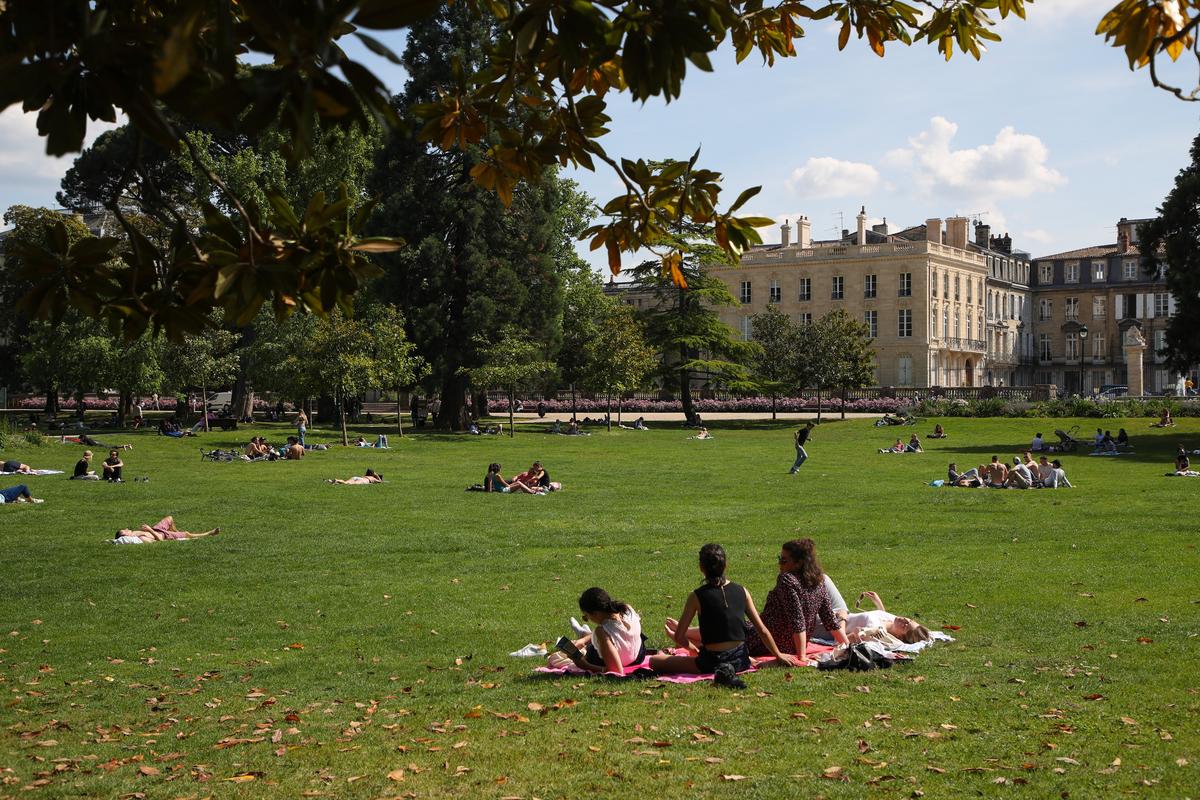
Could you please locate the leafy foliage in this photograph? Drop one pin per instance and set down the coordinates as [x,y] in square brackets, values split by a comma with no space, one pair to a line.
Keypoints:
[510,361]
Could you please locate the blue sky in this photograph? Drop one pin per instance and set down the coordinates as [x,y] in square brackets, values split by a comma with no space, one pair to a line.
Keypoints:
[1050,137]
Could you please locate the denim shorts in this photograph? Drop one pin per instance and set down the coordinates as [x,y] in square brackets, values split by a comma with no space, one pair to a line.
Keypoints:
[708,660]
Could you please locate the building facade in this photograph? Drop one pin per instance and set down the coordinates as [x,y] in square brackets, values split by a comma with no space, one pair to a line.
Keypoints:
[1086,300]
[921,291]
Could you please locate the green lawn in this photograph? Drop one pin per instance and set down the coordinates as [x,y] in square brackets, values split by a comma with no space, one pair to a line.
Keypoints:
[333,635]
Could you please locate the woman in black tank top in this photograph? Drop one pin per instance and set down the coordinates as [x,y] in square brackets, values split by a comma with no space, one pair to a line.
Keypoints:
[721,606]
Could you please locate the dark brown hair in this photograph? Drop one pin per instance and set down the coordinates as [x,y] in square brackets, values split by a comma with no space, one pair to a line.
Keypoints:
[804,555]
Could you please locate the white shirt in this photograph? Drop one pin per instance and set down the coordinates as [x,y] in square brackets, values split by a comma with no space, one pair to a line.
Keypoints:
[1023,471]
[868,619]
[1037,444]
[625,633]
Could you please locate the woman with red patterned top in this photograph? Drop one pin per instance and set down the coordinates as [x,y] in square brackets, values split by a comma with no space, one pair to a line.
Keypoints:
[797,606]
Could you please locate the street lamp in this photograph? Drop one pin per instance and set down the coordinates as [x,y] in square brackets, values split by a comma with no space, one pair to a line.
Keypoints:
[1083,334]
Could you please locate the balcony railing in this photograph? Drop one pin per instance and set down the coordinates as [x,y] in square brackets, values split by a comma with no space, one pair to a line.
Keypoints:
[955,343]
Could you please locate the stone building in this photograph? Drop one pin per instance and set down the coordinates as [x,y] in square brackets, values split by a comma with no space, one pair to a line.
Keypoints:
[921,291]
[1086,300]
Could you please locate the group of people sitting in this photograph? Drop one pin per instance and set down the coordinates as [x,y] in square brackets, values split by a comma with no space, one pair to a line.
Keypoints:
[1025,473]
[570,429]
[111,468]
[535,480]
[1105,443]
[805,606]
[913,446]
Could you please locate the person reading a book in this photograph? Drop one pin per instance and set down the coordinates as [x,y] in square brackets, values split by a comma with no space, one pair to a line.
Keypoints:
[616,642]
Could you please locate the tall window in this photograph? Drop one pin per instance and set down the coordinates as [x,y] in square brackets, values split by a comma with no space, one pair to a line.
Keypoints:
[839,286]
[946,285]
[1071,272]
[933,284]
[1044,347]
[1071,308]
[805,319]
[746,292]
[969,327]
[869,283]
[1072,346]
[946,321]
[957,326]
[969,290]
[806,288]
[871,318]
[776,292]
[989,305]
[1129,269]
[1099,307]
[957,283]
[904,370]
[1098,346]
[1045,273]
[905,284]
[1160,342]
[904,323]
[1044,310]
[1161,304]
[1099,269]
[747,329]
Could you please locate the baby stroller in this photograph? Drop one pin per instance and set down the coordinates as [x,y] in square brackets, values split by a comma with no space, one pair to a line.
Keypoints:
[1066,440]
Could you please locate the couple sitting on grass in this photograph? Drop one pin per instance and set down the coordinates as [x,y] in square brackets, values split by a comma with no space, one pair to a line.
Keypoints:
[1024,474]
[913,446]
[803,606]
[534,480]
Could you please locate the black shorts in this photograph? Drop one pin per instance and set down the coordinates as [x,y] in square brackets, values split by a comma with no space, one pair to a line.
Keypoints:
[708,660]
[592,656]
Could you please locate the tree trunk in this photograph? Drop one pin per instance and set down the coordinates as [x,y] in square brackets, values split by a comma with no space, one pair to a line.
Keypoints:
[608,412]
[773,415]
[449,415]
[237,397]
[685,389]
[51,406]
[124,402]
[843,402]
[399,415]
[572,401]
[619,404]
[342,416]
[512,401]
[818,404]
[204,404]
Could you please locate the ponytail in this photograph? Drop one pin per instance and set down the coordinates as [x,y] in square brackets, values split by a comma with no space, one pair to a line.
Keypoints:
[712,563]
[597,601]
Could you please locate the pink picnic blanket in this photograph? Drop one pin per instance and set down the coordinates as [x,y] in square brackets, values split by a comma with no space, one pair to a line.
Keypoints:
[571,669]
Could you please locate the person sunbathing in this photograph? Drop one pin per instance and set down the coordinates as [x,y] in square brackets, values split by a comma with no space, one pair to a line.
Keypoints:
[495,482]
[968,480]
[996,473]
[84,439]
[1164,420]
[898,447]
[163,530]
[914,445]
[938,432]
[615,644]
[702,434]
[294,450]
[18,493]
[14,467]
[370,476]
[859,623]
[722,607]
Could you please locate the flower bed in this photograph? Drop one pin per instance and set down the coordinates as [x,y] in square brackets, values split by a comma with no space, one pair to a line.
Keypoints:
[739,405]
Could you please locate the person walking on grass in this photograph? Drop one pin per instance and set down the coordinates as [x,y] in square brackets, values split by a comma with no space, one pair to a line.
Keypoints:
[301,426]
[802,436]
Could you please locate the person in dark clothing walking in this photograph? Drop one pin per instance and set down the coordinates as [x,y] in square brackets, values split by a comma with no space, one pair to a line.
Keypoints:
[802,436]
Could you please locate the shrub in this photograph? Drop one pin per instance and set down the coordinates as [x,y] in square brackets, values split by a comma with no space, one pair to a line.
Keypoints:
[34,437]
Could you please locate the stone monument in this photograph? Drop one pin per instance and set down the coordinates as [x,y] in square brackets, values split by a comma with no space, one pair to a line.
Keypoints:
[1135,349]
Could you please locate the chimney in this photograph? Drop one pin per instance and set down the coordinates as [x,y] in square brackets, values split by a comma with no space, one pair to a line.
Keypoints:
[983,234]
[956,232]
[785,234]
[804,233]
[933,230]
[881,228]
[862,227]
[1126,235]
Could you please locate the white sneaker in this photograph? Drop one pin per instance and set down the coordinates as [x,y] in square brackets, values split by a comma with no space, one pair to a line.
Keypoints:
[36,500]
[579,628]
[530,651]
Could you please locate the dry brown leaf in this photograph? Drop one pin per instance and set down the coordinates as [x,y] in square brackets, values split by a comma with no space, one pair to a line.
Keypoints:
[396,775]
[733,777]
[147,770]
[1129,720]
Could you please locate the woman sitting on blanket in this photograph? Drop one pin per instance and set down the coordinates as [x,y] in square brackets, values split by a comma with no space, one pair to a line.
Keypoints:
[494,482]
[1165,420]
[703,434]
[898,447]
[938,432]
[617,641]
[798,609]
[370,476]
[163,530]
[914,445]
[903,628]
[723,607]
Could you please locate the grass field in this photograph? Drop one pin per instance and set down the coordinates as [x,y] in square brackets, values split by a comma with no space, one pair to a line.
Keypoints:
[352,641]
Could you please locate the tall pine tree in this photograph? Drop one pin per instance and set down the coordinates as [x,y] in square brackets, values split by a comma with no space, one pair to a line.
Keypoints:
[472,265]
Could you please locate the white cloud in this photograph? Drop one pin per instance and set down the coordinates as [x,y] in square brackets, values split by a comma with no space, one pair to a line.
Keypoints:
[1036,236]
[27,174]
[1013,165]
[830,177]
[1056,11]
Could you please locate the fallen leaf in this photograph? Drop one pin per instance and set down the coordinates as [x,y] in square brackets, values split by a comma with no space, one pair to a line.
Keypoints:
[1066,760]
[1144,640]
[1129,720]
[952,627]
[147,770]
[243,777]
[292,646]
[1093,697]
[733,777]
[396,775]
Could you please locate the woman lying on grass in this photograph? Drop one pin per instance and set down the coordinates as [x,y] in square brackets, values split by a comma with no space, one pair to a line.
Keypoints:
[370,476]
[617,641]
[723,607]
[903,628]
[797,609]
[18,494]
[163,530]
